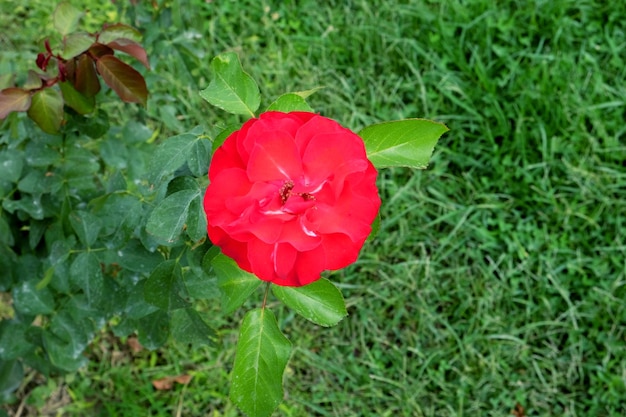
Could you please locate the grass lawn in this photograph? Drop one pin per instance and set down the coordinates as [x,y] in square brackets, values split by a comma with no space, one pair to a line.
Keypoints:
[499,274]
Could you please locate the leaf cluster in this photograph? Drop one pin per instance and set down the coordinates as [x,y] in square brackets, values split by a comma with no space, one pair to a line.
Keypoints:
[81,59]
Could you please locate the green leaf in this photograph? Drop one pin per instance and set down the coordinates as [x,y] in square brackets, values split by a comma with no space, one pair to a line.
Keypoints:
[408,143]
[153,329]
[66,340]
[73,98]
[231,89]
[320,302]
[188,327]
[75,44]
[200,281]
[167,220]
[198,157]
[260,360]
[6,235]
[66,18]
[136,306]
[59,253]
[7,80]
[171,155]
[127,82]
[35,182]
[30,204]
[196,221]
[290,102]
[46,110]
[40,155]
[135,257]
[11,165]
[28,300]
[86,225]
[13,343]
[117,31]
[33,81]
[86,274]
[184,182]
[13,99]
[11,375]
[120,214]
[235,283]
[165,287]
[79,168]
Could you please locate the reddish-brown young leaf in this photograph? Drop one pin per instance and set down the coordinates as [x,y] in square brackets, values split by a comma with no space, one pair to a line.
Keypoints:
[85,77]
[132,48]
[13,99]
[123,79]
[99,50]
[70,70]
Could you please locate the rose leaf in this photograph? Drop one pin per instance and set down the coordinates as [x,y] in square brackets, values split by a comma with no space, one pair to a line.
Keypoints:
[232,89]
[168,219]
[261,357]
[66,18]
[319,302]
[127,82]
[236,284]
[407,143]
[46,110]
[290,102]
[13,99]
[188,327]
[165,288]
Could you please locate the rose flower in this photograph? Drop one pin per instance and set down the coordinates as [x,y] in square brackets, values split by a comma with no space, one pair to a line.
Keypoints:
[291,195]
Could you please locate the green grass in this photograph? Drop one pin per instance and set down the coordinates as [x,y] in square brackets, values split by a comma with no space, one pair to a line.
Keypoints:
[498,276]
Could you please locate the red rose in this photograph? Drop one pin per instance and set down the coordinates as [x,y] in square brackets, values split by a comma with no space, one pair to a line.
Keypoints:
[291,195]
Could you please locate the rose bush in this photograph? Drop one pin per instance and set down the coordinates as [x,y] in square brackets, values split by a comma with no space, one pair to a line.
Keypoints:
[291,195]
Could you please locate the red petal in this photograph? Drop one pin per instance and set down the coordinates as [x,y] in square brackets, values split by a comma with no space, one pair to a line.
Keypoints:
[284,257]
[310,265]
[259,255]
[232,248]
[225,157]
[299,233]
[268,230]
[351,215]
[255,196]
[333,155]
[340,251]
[227,184]
[274,157]
[314,126]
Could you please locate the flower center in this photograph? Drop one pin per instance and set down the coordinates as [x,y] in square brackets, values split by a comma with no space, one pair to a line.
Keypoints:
[286,191]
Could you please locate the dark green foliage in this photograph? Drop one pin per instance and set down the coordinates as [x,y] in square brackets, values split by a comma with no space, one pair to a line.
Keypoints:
[86,258]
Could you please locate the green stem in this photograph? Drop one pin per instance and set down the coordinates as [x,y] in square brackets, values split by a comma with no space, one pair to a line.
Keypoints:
[267,290]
